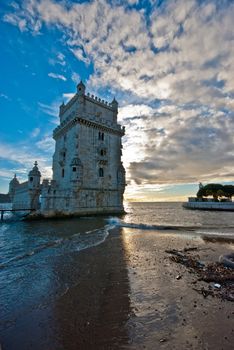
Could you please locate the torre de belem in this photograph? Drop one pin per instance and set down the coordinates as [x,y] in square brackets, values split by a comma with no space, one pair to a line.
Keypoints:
[88,174]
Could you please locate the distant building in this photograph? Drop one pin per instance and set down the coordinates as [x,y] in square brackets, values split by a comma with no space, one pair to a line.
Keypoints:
[88,175]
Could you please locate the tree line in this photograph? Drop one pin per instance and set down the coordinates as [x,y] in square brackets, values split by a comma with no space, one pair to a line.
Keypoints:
[216,190]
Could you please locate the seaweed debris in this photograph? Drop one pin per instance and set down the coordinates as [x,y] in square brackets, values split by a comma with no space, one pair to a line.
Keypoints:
[219,277]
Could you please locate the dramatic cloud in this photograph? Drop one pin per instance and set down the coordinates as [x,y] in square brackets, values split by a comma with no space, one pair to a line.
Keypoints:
[172,65]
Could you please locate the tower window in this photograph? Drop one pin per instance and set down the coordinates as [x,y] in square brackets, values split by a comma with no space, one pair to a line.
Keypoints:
[74,169]
[101,136]
[101,172]
[63,172]
[102,152]
[31,179]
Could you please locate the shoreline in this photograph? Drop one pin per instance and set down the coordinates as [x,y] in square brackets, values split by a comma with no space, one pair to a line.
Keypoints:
[128,296]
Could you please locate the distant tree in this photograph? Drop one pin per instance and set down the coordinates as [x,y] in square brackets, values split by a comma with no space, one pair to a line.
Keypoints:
[216,190]
[220,193]
[228,191]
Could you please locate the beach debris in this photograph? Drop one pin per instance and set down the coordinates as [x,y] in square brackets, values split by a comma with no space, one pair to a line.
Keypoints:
[178,277]
[227,260]
[220,275]
[190,249]
[163,340]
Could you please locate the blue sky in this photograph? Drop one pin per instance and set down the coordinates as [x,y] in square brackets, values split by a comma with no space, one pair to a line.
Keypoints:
[169,64]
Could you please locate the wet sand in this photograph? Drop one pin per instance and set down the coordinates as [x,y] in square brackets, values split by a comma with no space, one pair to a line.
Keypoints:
[168,312]
[127,297]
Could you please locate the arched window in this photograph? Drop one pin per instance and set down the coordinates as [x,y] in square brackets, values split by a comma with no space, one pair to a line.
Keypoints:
[63,172]
[101,172]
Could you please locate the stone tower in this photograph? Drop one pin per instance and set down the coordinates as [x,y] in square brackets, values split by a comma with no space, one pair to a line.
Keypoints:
[88,175]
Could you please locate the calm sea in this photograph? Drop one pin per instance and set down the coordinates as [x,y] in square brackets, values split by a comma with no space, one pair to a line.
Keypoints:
[31,251]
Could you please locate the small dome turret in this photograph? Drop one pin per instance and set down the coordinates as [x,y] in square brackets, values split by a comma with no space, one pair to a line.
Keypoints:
[35,171]
[34,178]
[81,88]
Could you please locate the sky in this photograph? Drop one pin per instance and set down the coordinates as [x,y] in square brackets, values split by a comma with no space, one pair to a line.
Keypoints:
[169,63]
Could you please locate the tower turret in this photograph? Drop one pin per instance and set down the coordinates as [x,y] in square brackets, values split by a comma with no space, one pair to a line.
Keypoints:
[34,178]
[81,88]
[81,92]
[115,105]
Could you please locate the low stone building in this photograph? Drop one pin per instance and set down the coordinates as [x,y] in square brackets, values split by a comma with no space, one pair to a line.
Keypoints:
[26,195]
[88,175]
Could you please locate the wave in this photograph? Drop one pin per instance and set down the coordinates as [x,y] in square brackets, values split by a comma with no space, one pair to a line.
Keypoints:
[93,238]
[198,229]
[119,223]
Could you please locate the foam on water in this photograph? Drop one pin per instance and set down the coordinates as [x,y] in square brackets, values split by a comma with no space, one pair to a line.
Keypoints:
[92,238]
[116,222]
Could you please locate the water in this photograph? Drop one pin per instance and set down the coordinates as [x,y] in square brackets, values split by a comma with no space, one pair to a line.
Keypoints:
[37,259]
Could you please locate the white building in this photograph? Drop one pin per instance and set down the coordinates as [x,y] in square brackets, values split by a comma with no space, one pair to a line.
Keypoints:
[88,175]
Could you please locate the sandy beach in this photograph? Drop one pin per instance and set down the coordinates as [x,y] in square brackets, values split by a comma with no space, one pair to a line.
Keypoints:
[128,296]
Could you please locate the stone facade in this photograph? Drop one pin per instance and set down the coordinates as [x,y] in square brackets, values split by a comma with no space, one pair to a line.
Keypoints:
[88,175]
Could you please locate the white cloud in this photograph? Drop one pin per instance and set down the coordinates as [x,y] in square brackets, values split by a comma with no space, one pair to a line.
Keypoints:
[61,59]
[46,144]
[75,77]
[4,96]
[57,76]
[52,110]
[35,132]
[79,53]
[21,157]
[67,96]
[132,110]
